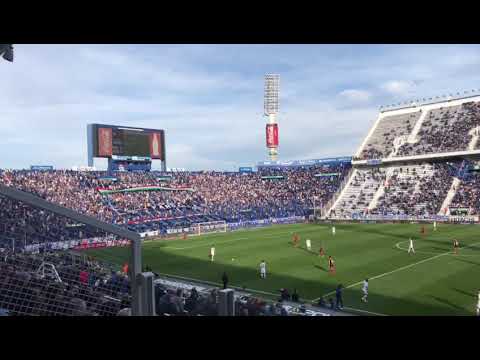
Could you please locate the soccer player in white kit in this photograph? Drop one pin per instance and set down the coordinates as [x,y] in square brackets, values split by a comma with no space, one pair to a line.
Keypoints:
[434,226]
[309,245]
[478,304]
[410,247]
[365,290]
[333,230]
[263,269]
[212,253]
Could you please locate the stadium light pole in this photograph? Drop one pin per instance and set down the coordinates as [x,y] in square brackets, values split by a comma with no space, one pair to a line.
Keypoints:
[270,97]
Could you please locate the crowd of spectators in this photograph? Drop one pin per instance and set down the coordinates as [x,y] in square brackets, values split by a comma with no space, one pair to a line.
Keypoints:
[468,195]
[76,286]
[435,135]
[446,129]
[194,196]
[415,190]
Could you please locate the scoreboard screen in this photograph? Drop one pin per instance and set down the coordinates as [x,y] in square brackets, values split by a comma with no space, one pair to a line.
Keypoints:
[126,143]
[109,140]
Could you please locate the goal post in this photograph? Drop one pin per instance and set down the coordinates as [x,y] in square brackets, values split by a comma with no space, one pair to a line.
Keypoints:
[208,227]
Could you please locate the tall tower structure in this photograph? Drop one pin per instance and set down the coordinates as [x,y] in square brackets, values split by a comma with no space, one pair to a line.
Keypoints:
[272,86]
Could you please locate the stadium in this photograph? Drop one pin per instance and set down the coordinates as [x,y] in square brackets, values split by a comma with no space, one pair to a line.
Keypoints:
[390,230]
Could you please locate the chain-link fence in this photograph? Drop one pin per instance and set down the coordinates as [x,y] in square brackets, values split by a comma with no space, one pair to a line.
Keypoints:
[55,262]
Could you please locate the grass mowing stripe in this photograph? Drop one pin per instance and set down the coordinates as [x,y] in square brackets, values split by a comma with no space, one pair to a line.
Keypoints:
[231,240]
[218,284]
[202,245]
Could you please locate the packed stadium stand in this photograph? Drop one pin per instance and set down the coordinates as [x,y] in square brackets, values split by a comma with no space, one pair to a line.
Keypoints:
[381,142]
[413,163]
[144,202]
[439,128]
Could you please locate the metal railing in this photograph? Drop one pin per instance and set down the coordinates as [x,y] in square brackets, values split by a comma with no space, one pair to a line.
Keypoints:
[431,100]
[18,275]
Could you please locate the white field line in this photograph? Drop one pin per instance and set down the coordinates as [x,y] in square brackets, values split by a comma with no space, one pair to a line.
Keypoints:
[397,245]
[399,269]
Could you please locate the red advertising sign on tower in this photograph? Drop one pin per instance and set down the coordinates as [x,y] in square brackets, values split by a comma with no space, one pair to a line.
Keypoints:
[104,142]
[272,135]
[155,146]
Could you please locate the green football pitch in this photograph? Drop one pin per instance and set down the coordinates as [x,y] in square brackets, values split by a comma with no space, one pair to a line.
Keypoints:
[433,281]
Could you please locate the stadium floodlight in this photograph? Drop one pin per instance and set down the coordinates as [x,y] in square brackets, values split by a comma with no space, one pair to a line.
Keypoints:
[6,51]
[272,86]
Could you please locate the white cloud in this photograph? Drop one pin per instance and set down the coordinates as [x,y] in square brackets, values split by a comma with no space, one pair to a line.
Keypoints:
[209,98]
[354,95]
[397,87]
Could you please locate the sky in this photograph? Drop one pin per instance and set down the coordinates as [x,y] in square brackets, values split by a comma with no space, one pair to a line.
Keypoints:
[209,98]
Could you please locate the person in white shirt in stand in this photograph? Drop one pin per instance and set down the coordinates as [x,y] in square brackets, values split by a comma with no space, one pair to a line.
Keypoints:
[365,290]
[263,269]
[333,230]
[212,252]
[410,247]
[309,245]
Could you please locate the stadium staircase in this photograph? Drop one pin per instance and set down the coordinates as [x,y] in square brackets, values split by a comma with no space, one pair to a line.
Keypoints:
[381,189]
[339,194]
[450,196]
[358,194]
[412,138]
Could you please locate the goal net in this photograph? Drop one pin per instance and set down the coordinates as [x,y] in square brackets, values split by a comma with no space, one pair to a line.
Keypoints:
[208,227]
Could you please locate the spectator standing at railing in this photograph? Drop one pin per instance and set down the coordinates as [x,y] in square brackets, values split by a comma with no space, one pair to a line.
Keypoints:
[225,280]
[338,297]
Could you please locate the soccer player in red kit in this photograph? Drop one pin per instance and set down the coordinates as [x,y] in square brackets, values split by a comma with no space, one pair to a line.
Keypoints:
[295,239]
[321,253]
[423,232]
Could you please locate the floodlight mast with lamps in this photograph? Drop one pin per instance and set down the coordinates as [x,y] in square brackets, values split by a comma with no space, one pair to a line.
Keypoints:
[272,86]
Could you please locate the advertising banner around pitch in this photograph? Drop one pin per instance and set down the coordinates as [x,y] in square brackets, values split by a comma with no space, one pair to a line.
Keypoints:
[104,142]
[245,169]
[155,146]
[272,135]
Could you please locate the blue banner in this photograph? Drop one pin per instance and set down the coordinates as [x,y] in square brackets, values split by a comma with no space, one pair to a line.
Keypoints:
[41,167]
[245,169]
